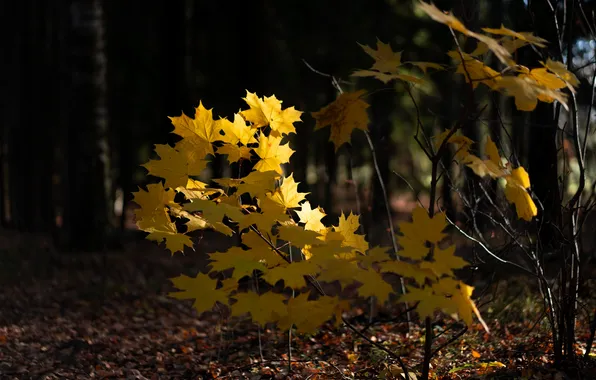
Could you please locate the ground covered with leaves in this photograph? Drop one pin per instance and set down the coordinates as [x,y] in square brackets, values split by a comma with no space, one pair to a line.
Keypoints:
[108,315]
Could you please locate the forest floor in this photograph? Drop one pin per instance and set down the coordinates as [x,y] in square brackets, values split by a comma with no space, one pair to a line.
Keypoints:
[108,315]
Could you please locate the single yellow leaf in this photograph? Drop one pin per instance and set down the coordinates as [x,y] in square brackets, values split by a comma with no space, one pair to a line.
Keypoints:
[265,308]
[267,111]
[175,165]
[235,153]
[287,194]
[237,131]
[311,218]
[423,228]
[202,289]
[346,113]
[272,153]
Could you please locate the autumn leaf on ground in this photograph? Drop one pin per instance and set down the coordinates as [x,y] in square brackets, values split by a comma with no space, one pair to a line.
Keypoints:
[267,111]
[346,113]
[199,132]
[272,153]
[237,131]
[202,289]
[287,194]
[265,308]
[312,218]
[174,165]
[424,228]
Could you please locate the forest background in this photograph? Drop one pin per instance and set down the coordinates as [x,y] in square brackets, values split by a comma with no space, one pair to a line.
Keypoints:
[89,85]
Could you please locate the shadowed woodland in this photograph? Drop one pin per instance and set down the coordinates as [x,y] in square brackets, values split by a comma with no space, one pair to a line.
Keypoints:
[92,89]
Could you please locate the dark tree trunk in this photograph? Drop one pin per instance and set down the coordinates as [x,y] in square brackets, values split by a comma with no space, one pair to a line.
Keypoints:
[88,216]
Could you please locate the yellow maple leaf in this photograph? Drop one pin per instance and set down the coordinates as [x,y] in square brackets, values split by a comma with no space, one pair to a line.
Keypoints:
[475,70]
[258,183]
[408,270]
[214,213]
[199,132]
[559,69]
[444,262]
[287,194]
[238,259]
[307,315]
[264,308]
[202,289]
[492,152]
[454,23]
[386,60]
[311,218]
[347,227]
[196,190]
[291,273]
[272,153]
[299,236]
[524,36]
[461,303]
[483,167]
[174,240]
[415,249]
[387,77]
[527,91]
[237,131]
[235,153]
[346,113]
[175,165]
[374,255]
[424,66]
[516,193]
[373,285]
[267,111]
[424,228]
[152,211]
[428,300]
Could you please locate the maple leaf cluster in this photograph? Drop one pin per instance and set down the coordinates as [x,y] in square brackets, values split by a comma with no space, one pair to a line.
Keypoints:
[284,241]
[527,86]
[517,180]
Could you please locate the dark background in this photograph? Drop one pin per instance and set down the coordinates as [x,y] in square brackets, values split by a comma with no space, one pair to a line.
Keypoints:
[88,87]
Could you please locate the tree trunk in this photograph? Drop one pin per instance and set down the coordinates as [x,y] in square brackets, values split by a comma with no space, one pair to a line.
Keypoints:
[88,217]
